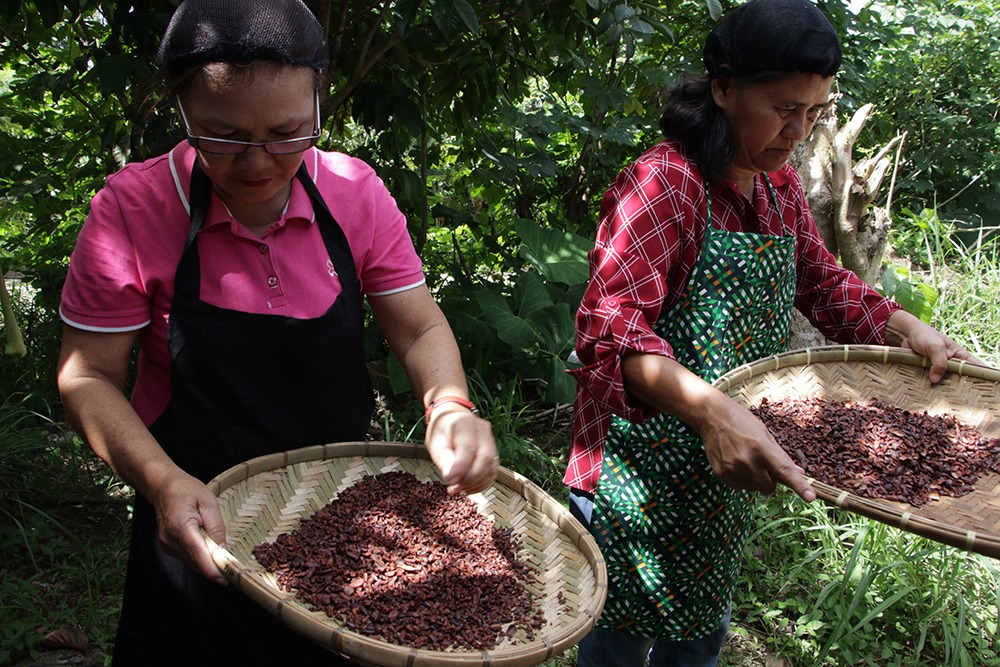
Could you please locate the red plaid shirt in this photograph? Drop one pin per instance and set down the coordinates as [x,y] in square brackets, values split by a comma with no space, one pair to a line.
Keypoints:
[648,238]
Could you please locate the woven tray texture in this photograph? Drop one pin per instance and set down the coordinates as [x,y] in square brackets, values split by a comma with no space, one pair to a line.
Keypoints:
[898,377]
[270,495]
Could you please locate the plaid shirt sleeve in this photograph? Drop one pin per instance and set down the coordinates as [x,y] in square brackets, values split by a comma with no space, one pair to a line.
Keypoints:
[645,251]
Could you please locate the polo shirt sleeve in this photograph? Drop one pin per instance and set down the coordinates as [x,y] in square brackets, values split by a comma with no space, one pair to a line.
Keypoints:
[375,227]
[643,232]
[843,307]
[104,290]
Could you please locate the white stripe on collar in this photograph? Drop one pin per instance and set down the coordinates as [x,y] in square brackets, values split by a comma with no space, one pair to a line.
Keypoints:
[315,176]
[177,183]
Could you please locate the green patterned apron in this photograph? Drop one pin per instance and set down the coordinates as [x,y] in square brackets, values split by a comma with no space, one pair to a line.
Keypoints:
[670,530]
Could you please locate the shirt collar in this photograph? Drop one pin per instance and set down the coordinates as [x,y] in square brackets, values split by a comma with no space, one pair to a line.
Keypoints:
[299,206]
[781,177]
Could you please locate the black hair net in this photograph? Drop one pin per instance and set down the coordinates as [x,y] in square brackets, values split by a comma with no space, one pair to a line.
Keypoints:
[773,36]
[203,31]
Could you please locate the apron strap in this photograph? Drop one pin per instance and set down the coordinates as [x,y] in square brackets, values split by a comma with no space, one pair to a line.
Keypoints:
[187,279]
[333,233]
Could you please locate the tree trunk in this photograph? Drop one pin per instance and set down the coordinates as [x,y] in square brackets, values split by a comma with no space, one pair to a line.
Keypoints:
[840,194]
[15,343]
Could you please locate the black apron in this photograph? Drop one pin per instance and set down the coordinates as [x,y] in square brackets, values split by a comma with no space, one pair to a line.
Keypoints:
[242,385]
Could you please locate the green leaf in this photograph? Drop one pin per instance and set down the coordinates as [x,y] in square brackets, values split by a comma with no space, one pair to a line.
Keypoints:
[113,73]
[406,11]
[406,113]
[555,329]
[51,11]
[511,329]
[561,387]
[530,294]
[916,298]
[398,380]
[468,15]
[714,9]
[9,10]
[559,256]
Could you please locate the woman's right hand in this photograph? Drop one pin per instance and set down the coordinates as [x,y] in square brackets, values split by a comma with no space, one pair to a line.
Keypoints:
[184,507]
[93,368]
[745,455]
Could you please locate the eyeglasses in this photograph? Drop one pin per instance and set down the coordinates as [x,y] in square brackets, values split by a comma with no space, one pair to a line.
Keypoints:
[230,147]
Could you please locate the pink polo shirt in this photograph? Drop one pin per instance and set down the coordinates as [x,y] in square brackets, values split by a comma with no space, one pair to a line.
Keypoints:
[121,275]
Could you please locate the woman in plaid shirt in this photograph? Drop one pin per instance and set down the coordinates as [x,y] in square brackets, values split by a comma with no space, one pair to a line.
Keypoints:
[705,244]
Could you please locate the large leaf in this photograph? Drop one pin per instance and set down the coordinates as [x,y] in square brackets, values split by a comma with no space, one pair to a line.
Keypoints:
[511,329]
[468,15]
[559,256]
[561,387]
[556,329]
[534,321]
[530,294]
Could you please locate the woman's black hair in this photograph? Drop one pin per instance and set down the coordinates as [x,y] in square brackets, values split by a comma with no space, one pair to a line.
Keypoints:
[692,118]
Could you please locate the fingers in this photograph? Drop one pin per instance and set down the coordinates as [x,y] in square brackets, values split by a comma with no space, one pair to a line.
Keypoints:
[195,551]
[770,468]
[789,474]
[928,342]
[745,456]
[939,365]
[462,447]
[183,508]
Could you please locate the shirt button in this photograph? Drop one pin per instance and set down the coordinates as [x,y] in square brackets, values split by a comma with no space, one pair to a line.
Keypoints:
[262,248]
[272,281]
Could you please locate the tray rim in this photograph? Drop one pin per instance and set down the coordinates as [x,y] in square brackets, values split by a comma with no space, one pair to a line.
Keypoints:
[356,646]
[887,512]
[828,353]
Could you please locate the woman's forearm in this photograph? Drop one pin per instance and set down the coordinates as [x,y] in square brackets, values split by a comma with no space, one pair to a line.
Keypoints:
[665,384]
[739,447]
[91,375]
[420,337]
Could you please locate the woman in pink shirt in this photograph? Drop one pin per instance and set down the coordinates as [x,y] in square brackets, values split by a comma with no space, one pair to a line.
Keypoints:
[239,262]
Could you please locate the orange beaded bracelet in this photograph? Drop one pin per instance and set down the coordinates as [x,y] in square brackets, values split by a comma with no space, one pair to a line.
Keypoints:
[441,400]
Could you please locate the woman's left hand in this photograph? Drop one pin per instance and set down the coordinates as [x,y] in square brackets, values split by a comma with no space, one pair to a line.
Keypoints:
[462,447]
[910,332]
[460,443]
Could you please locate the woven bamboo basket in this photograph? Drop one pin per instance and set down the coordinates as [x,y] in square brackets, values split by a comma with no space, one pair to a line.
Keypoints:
[898,377]
[270,495]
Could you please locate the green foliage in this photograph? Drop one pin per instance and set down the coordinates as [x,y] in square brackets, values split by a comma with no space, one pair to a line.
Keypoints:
[933,69]
[54,506]
[31,377]
[916,298]
[520,325]
[22,618]
[954,272]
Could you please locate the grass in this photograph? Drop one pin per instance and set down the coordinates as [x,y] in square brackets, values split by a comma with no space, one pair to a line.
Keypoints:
[829,588]
[62,536]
